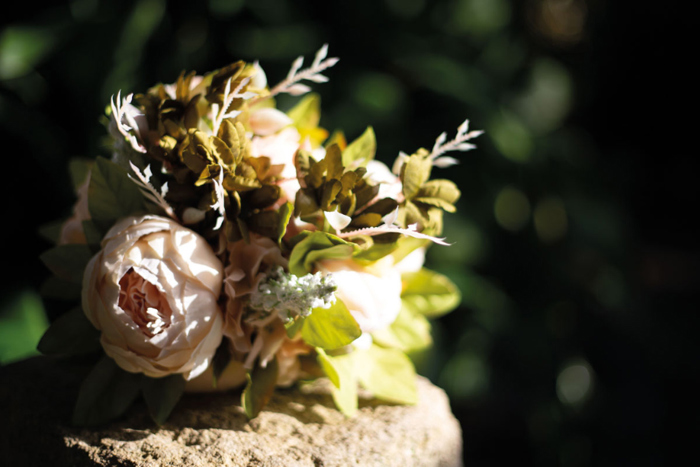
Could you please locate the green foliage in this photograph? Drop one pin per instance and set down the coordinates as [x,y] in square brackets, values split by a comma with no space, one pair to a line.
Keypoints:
[310,248]
[342,369]
[330,329]
[60,289]
[429,294]
[161,395]
[22,322]
[112,194]
[388,374]
[71,334]
[67,262]
[258,391]
[361,151]
[409,332]
[105,394]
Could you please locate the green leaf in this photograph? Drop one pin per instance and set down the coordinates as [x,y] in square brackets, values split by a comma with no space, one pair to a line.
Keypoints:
[105,394]
[361,151]
[221,359]
[429,293]
[258,391]
[446,190]
[299,265]
[388,374]
[437,202]
[408,333]
[416,171]
[112,194]
[60,289]
[161,395]
[67,261]
[93,236]
[51,231]
[294,326]
[285,214]
[376,252]
[334,252]
[330,329]
[71,334]
[307,113]
[79,170]
[345,369]
[327,366]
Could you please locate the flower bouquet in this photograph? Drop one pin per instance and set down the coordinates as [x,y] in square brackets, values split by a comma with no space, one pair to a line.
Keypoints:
[226,243]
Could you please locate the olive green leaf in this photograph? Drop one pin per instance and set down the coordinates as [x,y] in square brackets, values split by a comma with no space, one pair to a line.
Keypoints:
[112,194]
[313,248]
[79,170]
[67,261]
[429,294]
[415,172]
[330,328]
[60,289]
[388,374]
[105,394]
[344,369]
[408,333]
[307,113]
[258,391]
[51,231]
[71,334]
[361,151]
[161,395]
[285,215]
[327,365]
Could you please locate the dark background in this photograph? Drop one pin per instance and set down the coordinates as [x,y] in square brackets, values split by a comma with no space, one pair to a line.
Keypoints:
[575,246]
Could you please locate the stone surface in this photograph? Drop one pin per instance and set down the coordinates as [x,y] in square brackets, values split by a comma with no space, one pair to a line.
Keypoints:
[300,427]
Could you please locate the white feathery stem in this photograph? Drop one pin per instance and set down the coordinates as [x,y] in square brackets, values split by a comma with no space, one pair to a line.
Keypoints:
[457,144]
[142,180]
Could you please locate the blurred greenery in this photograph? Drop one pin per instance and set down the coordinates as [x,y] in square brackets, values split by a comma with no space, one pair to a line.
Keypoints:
[574,340]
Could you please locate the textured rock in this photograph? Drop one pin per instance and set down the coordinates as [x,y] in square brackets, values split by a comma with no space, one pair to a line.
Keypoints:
[300,427]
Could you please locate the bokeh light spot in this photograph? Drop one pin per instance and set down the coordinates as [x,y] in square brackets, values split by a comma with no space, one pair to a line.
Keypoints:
[465,376]
[512,209]
[575,383]
[379,93]
[550,219]
[511,137]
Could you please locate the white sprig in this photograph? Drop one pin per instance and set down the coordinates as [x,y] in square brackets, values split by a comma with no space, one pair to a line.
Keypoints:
[457,144]
[220,195]
[411,231]
[291,84]
[143,181]
[119,113]
[221,114]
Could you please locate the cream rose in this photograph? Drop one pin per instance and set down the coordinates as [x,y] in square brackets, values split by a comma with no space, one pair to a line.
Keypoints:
[152,290]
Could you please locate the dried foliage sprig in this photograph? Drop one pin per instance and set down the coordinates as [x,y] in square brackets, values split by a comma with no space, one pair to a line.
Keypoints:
[143,181]
[291,84]
[457,144]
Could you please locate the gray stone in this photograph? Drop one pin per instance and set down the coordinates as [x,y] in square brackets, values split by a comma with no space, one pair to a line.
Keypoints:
[299,427]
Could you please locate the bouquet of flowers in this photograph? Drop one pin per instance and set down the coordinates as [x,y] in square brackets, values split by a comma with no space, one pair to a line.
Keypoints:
[226,243]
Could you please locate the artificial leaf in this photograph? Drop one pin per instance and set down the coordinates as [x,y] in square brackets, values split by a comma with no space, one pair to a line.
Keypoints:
[161,395]
[361,151]
[388,374]
[112,194]
[334,252]
[428,293]
[437,202]
[311,242]
[376,252]
[79,170]
[307,113]
[446,190]
[67,261]
[327,366]
[93,236]
[345,369]
[221,359]
[330,328]
[60,289]
[105,394]
[258,391]
[414,173]
[409,332]
[406,246]
[71,334]
[51,231]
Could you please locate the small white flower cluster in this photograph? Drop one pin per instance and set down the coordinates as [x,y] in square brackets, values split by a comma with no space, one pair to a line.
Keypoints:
[291,295]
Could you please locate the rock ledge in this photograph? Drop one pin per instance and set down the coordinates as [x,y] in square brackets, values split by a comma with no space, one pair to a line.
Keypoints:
[300,427]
